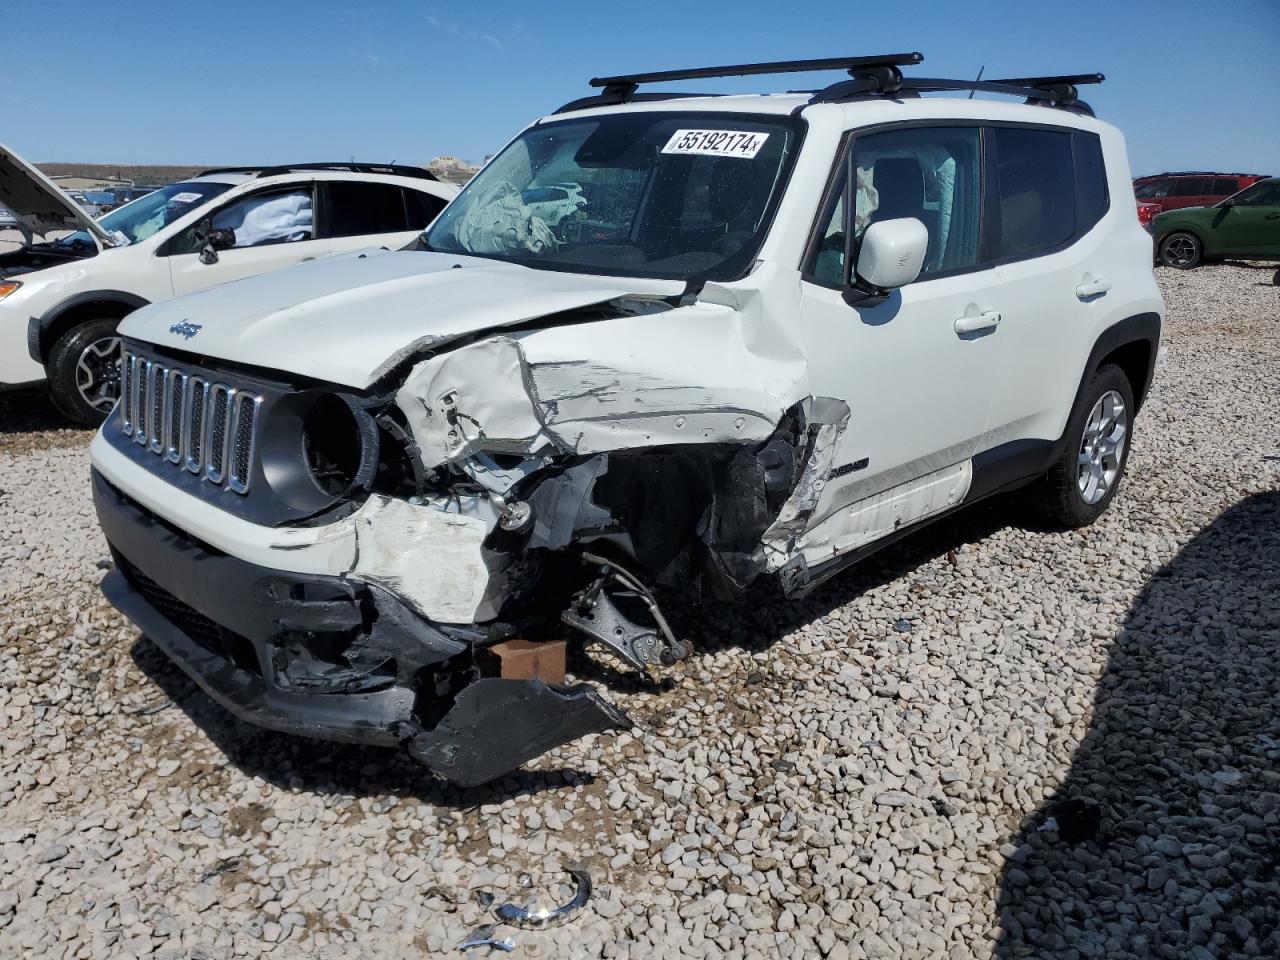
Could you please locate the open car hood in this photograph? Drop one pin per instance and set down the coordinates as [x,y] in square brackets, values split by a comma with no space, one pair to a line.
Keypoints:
[350,319]
[38,204]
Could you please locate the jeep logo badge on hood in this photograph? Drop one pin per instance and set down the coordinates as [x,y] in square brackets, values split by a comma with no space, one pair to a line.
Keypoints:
[186,329]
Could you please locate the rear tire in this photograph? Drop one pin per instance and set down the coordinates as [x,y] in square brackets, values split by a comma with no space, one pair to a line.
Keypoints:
[1081,484]
[84,371]
[1181,250]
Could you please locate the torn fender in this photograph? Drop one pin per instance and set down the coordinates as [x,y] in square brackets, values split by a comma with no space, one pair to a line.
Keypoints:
[687,375]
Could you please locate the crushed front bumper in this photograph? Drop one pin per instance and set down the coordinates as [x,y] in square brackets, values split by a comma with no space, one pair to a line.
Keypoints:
[330,657]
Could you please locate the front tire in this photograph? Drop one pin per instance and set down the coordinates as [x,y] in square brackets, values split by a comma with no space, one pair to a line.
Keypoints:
[1181,250]
[84,371]
[1081,484]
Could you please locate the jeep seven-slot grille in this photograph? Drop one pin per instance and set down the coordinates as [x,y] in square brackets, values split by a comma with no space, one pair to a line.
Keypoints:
[210,428]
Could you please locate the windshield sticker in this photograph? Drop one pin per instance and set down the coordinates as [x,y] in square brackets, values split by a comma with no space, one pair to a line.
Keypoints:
[184,198]
[716,143]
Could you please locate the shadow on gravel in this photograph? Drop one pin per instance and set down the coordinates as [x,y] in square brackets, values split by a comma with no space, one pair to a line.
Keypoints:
[317,766]
[30,421]
[1167,839]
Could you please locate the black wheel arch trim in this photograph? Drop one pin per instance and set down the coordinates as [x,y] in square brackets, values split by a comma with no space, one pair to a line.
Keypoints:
[38,327]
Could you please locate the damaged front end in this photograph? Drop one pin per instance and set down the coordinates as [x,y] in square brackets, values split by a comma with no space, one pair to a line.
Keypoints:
[389,548]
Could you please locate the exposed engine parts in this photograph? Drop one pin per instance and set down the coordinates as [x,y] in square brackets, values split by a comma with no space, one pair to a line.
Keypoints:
[594,612]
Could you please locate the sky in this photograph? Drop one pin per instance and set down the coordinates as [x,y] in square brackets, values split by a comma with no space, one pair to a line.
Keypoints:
[1192,85]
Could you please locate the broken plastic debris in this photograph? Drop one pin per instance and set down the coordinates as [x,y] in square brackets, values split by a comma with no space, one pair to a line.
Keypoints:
[538,919]
[484,937]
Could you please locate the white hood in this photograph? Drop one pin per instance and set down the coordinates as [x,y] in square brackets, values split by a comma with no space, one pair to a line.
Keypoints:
[349,319]
[38,204]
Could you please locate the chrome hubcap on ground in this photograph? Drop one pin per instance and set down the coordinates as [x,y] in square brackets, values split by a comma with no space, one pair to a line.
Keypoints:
[1105,434]
[1179,250]
[98,373]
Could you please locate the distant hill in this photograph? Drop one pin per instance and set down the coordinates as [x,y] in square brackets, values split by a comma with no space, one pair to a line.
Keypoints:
[139,173]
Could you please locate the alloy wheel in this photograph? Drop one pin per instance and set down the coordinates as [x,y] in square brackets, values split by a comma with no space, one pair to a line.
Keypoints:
[98,373]
[1179,250]
[1102,447]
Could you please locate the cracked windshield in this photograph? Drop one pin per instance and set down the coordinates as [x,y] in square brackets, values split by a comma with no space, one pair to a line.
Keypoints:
[646,194]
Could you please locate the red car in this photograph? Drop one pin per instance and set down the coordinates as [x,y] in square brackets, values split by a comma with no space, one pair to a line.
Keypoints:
[1195,188]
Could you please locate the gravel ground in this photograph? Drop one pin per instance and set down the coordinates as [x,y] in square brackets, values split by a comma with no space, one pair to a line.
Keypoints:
[989,741]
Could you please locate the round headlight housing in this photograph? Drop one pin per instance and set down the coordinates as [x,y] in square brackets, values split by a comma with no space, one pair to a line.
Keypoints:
[317,449]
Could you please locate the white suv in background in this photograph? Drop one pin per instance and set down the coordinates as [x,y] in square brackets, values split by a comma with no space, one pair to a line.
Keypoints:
[61,299]
[660,342]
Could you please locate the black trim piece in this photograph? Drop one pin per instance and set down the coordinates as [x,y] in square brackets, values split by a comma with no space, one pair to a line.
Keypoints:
[390,169]
[852,64]
[1139,328]
[1010,466]
[37,327]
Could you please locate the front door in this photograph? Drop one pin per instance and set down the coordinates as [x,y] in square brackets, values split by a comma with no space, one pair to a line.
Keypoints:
[917,371]
[272,229]
[1251,224]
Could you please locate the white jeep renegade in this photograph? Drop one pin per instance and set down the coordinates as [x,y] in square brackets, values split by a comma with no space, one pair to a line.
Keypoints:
[660,341]
[62,298]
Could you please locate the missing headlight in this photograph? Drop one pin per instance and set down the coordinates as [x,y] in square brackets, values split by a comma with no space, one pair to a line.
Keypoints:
[318,449]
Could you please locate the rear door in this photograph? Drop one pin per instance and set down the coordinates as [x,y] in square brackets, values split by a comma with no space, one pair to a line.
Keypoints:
[362,213]
[1056,269]
[274,227]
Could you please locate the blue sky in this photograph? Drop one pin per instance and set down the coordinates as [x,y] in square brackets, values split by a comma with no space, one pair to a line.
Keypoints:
[1193,85]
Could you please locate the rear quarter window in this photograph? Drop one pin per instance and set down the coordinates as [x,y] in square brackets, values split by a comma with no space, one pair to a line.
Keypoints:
[1092,196]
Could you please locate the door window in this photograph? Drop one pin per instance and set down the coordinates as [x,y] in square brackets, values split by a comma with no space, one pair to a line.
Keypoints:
[259,219]
[356,209]
[422,207]
[1192,186]
[1146,191]
[1260,195]
[1035,175]
[1092,199]
[1225,186]
[931,174]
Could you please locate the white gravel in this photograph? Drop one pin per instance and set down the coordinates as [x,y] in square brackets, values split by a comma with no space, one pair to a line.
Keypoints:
[869,773]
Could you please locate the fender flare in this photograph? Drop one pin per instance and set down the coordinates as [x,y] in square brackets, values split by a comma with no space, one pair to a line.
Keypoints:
[38,327]
[1139,328]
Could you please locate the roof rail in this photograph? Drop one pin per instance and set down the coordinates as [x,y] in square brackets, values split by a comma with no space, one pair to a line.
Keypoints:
[622,88]
[392,169]
[869,77]
[1050,91]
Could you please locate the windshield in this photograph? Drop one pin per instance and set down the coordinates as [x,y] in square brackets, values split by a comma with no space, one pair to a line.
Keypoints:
[677,196]
[142,218]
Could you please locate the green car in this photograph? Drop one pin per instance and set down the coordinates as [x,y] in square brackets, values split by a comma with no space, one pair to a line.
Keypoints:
[1245,226]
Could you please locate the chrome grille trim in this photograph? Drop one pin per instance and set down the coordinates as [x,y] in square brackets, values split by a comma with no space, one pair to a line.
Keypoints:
[209,428]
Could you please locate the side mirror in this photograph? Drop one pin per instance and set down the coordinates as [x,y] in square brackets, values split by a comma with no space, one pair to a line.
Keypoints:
[215,239]
[891,256]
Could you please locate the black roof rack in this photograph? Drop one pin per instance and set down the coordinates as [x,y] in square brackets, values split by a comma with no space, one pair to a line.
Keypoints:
[869,77]
[622,89]
[393,169]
